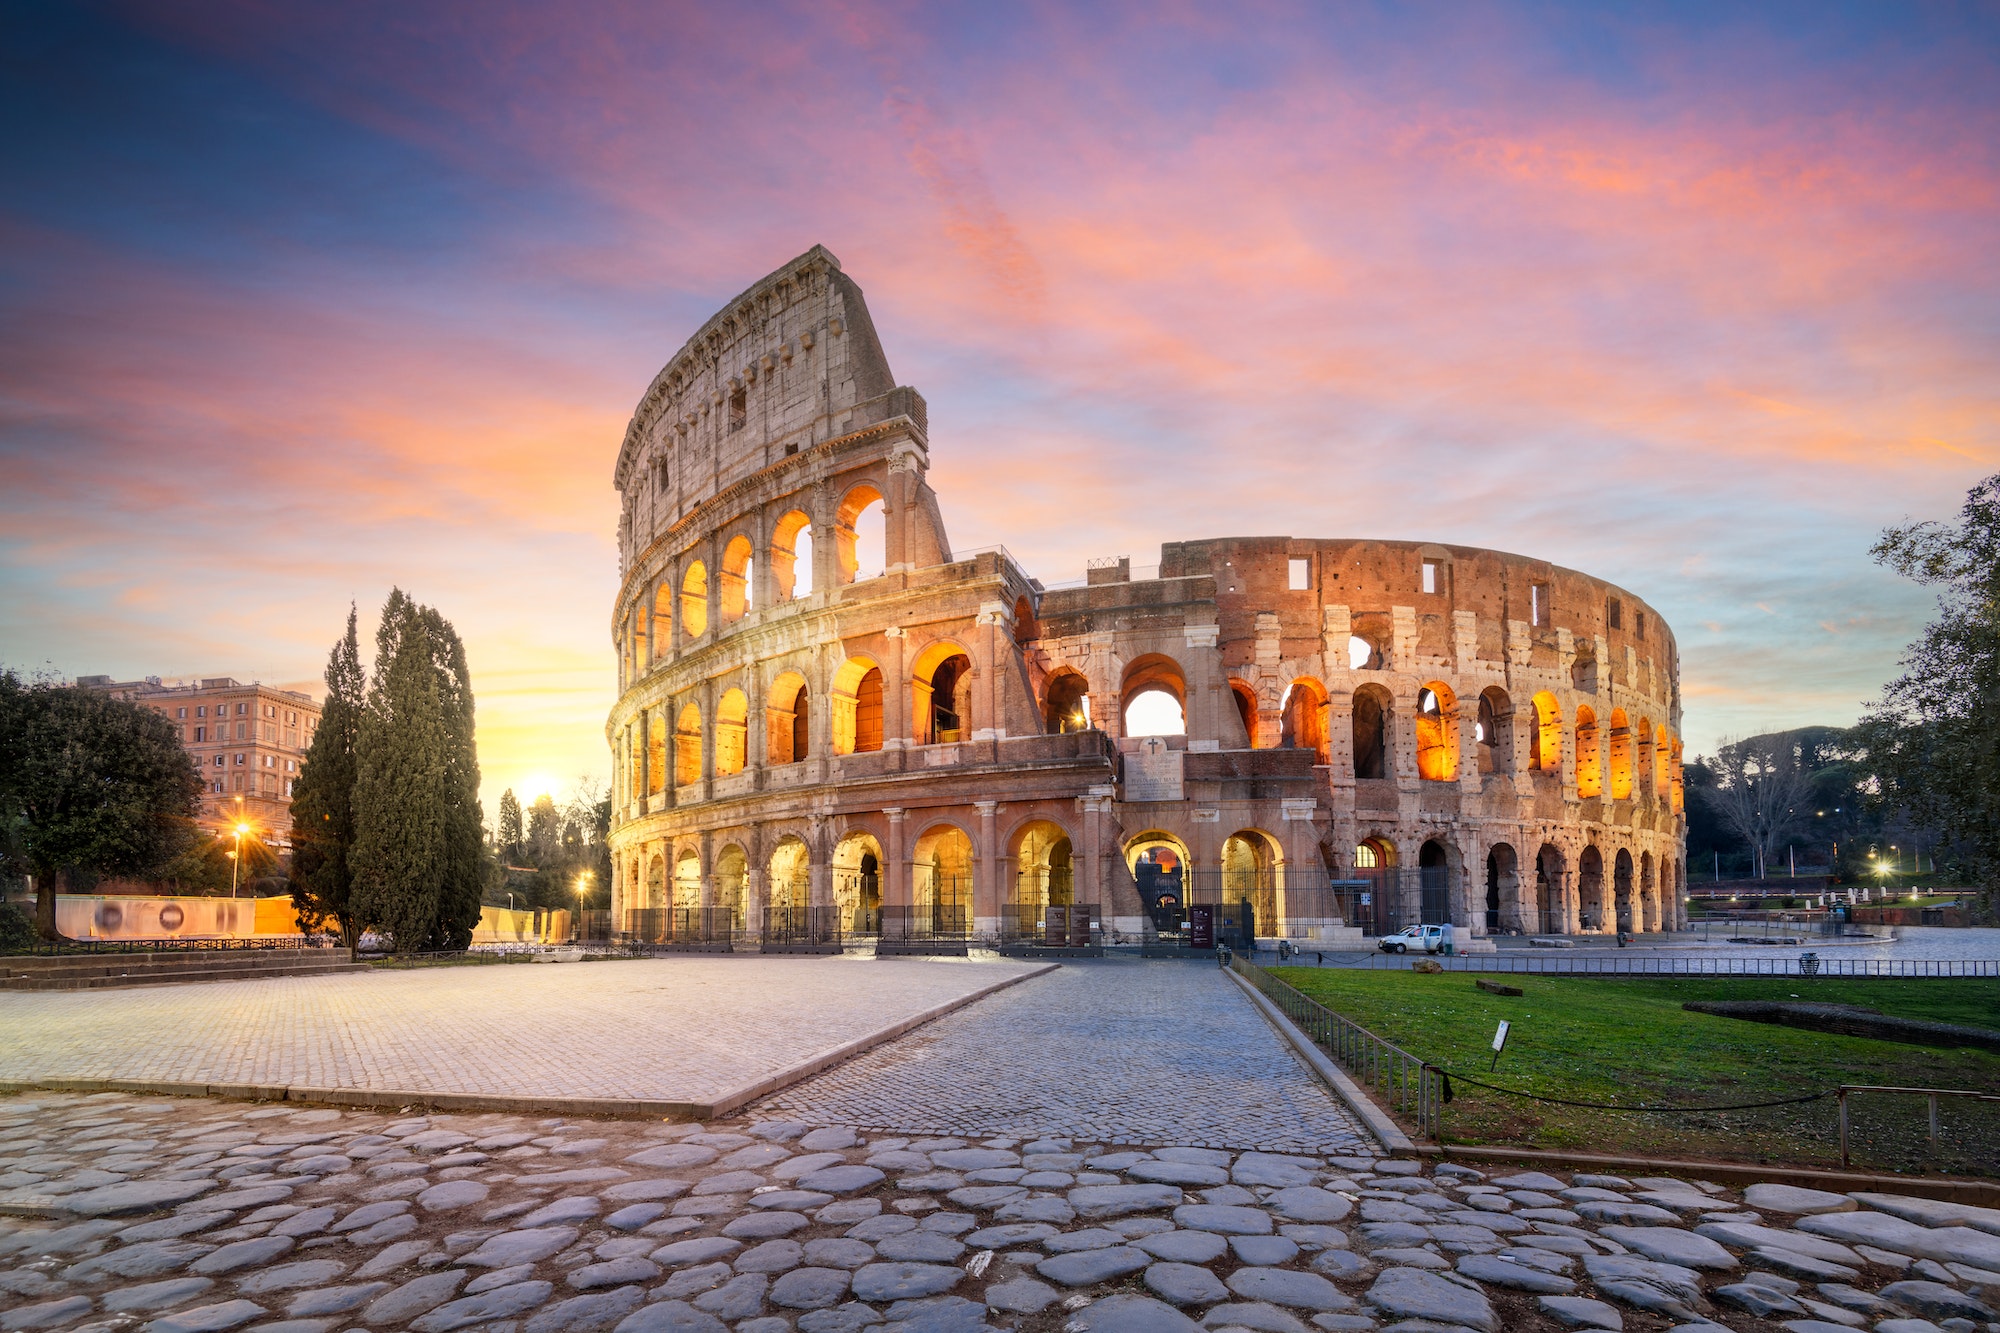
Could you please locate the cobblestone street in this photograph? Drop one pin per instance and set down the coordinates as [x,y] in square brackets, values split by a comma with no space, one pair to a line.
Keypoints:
[1111,1051]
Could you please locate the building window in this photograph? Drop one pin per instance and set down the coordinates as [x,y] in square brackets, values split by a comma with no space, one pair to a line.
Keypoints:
[241,709]
[219,761]
[1614,613]
[239,759]
[1538,604]
[1430,576]
[739,408]
[201,733]
[239,782]
[183,713]
[1300,573]
[1639,623]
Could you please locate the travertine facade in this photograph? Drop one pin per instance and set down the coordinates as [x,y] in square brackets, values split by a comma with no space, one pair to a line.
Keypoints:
[1444,730]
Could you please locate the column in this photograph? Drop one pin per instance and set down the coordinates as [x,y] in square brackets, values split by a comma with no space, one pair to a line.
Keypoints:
[756,741]
[896,873]
[985,878]
[896,692]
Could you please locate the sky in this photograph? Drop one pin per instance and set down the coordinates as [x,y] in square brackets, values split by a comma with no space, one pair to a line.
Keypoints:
[302,302]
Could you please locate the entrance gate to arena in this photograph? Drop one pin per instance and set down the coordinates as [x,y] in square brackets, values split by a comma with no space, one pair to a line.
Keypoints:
[682,929]
[940,927]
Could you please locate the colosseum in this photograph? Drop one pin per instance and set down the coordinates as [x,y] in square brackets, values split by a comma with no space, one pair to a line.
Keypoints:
[831,723]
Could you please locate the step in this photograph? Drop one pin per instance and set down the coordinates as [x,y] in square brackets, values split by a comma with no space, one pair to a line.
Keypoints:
[176,978]
[94,963]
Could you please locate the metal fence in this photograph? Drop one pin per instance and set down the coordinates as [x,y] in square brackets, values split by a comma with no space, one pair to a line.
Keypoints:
[801,930]
[1613,964]
[1197,915]
[682,926]
[938,927]
[1411,1086]
[170,945]
[1043,925]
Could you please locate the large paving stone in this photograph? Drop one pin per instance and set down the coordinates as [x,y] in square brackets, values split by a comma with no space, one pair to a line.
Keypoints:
[1582,1312]
[1177,1173]
[1936,1301]
[132,1196]
[1022,1295]
[1185,1284]
[413,1298]
[1415,1293]
[1091,1238]
[1671,1245]
[1491,1268]
[1963,1245]
[1647,1284]
[207,1318]
[157,1295]
[243,1254]
[1229,1219]
[645,1191]
[149,1258]
[742,1297]
[972,1159]
[613,1273]
[368,1214]
[1757,1299]
[1625,1213]
[1305,1203]
[46,1314]
[848,1179]
[499,1303]
[1255,1168]
[1096,1202]
[1264,1251]
[334,1300]
[1264,1318]
[670,1317]
[812,1288]
[452,1194]
[1770,1198]
[674,1156]
[525,1246]
[1932,1212]
[291,1277]
[1184,1247]
[773,1256]
[559,1212]
[1087,1268]
[1130,1314]
[1754,1235]
[587,1314]
[838,1252]
[1280,1286]
[805,1164]
[1794,1264]
[765,1225]
[904,1281]
[1055,1211]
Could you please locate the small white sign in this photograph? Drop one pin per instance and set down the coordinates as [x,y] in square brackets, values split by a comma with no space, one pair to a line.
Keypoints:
[1500,1038]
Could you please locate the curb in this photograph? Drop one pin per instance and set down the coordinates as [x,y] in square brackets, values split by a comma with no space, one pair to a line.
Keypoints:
[1378,1122]
[614,1108]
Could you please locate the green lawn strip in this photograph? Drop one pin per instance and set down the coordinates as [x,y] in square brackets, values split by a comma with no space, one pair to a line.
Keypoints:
[1628,1042]
[1974,1002]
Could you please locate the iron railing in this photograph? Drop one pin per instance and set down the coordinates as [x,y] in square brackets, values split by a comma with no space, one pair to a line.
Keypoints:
[681,925]
[43,948]
[797,926]
[1612,964]
[1050,925]
[927,923]
[1416,1088]
[1932,1095]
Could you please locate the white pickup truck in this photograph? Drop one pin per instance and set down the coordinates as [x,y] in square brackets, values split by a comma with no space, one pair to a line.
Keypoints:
[1428,938]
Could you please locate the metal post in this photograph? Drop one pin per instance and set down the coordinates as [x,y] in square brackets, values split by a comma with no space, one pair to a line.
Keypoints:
[1934,1121]
[1843,1128]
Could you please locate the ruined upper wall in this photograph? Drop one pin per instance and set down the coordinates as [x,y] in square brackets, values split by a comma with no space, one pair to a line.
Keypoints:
[787,363]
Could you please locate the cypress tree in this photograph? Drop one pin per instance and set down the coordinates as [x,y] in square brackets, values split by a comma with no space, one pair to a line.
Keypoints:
[509,836]
[323,801]
[416,792]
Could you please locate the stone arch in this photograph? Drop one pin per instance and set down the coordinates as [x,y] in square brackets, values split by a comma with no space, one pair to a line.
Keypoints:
[733,593]
[1625,908]
[1494,731]
[793,530]
[1026,627]
[1589,762]
[732,732]
[851,543]
[1503,889]
[941,694]
[1434,881]
[656,881]
[732,874]
[1592,907]
[787,720]
[1545,740]
[857,881]
[856,703]
[1158,863]
[1663,764]
[1066,703]
[687,747]
[942,866]
[656,754]
[1551,889]
[1374,715]
[1620,764]
[1044,865]
[790,879]
[1252,867]
[1365,652]
[1244,696]
[1305,712]
[1649,894]
[687,879]
[1643,786]
[1437,733]
[1153,673]
[663,618]
[694,601]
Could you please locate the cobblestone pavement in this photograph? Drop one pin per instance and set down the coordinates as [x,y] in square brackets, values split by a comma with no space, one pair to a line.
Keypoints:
[1117,1051]
[195,1216]
[685,1029]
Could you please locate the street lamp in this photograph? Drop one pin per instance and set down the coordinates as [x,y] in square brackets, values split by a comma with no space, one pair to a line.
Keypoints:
[236,858]
[582,889]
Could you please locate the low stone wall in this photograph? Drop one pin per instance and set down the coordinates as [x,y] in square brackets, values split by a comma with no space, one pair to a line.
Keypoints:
[1852,1021]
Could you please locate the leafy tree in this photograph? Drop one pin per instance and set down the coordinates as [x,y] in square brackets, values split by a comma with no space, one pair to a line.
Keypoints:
[1762,794]
[1933,739]
[544,845]
[89,786]
[510,835]
[323,802]
[418,843]
[205,867]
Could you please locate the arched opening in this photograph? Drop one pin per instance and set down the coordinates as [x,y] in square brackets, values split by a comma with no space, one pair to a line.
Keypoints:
[1621,756]
[1621,890]
[1434,883]
[1495,731]
[1375,909]
[733,593]
[1503,889]
[687,881]
[1304,711]
[1026,628]
[941,695]
[857,707]
[663,619]
[1545,742]
[791,881]
[1154,695]
[1363,653]
[694,602]
[791,557]
[1592,910]
[1158,864]
[1663,764]
[857,882]
[687,747]
[1372,711]
[1043,869]
[640,655]
[1437,733]
[656,756]
[732,872]
[1551,890]
[1649,895]
[1068,706]
[1583,672]
[1642,761]
[1678,778]
[943,887]
[1250,864]
[732,731]
[787,724]
[861,535]
[1589,766]
[656,882]
[1246,710]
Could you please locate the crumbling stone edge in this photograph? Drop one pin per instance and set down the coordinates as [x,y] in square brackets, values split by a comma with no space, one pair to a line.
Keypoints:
[616,1108]
[1378,1121]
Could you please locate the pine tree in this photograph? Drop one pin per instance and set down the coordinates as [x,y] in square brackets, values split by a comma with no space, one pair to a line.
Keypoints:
[510,826]
[323,802]
[417,842]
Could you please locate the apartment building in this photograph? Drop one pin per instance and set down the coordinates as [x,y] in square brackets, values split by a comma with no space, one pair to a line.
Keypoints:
[247,740]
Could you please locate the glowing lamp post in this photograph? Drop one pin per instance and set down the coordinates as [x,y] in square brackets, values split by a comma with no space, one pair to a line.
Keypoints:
[582,891]
[236,859]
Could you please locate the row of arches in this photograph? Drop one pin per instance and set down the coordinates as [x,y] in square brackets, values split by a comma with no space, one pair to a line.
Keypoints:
[1593,892]
[678,609]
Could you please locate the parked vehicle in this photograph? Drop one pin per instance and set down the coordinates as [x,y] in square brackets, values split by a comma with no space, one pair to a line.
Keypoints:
[1428,938]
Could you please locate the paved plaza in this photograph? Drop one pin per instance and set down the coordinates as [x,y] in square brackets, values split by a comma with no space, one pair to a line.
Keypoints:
[1112,1051]
[690,1028]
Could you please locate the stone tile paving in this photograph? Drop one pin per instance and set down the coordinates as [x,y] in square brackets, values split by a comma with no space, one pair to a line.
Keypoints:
[126,1213]
[666,1029]
[1116,1051]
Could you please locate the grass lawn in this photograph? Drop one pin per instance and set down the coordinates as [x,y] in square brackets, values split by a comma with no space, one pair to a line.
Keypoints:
[1627,1041]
